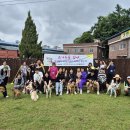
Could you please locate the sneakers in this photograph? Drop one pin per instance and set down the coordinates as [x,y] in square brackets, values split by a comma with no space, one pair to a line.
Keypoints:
[88,91]
[67,92]
[98,93]
[75,93]
[7,96]
[80,91]
[61,94]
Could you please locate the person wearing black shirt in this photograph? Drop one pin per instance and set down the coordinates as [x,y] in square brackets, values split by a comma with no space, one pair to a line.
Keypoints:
[60,77]
[92,83]
[47,81]
[127,86]
[2,83]
[71,81]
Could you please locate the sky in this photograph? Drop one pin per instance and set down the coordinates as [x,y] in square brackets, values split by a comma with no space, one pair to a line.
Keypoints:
[58,21]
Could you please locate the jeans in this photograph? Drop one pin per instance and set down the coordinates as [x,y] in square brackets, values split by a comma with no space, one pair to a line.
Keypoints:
[59,87]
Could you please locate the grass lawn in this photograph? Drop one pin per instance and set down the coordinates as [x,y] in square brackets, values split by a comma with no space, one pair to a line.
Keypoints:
[67,112]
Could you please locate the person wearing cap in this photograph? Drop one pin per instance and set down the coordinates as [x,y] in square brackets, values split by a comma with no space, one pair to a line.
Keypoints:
[117,81]
[127,86]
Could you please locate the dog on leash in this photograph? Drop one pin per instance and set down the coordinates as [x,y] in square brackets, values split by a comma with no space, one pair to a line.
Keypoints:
[2,89]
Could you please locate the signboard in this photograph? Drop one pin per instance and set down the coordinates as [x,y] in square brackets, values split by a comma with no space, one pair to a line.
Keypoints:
[125,34]
[68,60]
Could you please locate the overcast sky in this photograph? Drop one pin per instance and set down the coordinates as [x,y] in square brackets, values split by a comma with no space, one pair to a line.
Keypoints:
[58,22]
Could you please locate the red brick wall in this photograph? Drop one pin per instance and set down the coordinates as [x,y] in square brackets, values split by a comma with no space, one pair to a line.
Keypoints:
[8,54]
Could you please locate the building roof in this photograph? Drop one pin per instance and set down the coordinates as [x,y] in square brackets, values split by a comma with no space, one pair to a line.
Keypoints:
[8,45]
[14,46]
[81,44]
[52,51]
[117,34]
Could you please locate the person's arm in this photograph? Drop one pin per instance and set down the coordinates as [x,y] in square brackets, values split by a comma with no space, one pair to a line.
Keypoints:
[34,78]
[125,85]
[49,69]
[8,73]
[108,66]
[16,83]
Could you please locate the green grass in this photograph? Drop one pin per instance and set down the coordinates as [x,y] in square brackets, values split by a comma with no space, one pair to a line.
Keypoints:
[68,112]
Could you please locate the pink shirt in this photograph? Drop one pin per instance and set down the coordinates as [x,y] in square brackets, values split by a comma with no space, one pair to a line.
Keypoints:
[53,72]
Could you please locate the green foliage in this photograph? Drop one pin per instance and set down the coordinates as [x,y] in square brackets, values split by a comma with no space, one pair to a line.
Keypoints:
[109,25]
[29,46]
[85,38]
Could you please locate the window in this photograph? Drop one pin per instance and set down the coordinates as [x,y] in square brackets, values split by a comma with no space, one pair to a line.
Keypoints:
[112,48]
[76,50]
[122,46]
[67,50]
[81,50]
[90,50]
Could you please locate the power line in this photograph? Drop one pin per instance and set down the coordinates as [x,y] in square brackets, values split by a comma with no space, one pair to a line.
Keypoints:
[41,1]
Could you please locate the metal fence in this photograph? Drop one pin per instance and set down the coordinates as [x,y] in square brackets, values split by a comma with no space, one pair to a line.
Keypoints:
[122,66]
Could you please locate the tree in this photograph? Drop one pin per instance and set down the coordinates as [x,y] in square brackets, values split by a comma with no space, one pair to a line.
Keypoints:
[29,46]
[107,26]
[111,24]
[85,38]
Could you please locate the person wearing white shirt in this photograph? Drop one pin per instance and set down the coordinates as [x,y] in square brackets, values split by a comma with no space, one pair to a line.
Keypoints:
[6,72]
[38,80]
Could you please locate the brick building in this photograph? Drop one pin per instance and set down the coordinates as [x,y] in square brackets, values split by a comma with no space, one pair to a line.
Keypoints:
[84,48]
[119,45]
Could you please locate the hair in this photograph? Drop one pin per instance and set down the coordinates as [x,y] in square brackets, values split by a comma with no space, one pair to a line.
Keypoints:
[118,81]
[53,63]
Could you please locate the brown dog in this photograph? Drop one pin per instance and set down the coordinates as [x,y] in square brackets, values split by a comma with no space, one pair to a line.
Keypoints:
[16,92]
[2,89]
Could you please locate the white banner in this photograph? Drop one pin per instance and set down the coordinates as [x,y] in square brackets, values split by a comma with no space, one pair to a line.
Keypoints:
[68,60]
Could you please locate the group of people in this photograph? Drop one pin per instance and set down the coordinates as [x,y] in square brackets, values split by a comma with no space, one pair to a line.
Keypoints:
[97,77]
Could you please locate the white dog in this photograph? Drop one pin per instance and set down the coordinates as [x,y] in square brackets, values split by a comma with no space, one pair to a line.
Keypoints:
[34,95]
[112,89]
[48,89]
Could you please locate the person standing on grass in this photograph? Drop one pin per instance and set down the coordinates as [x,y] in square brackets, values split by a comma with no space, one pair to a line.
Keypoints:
[53,70]
[110,72]
[60,78]
[6,72]
[24,71]
[2,82]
